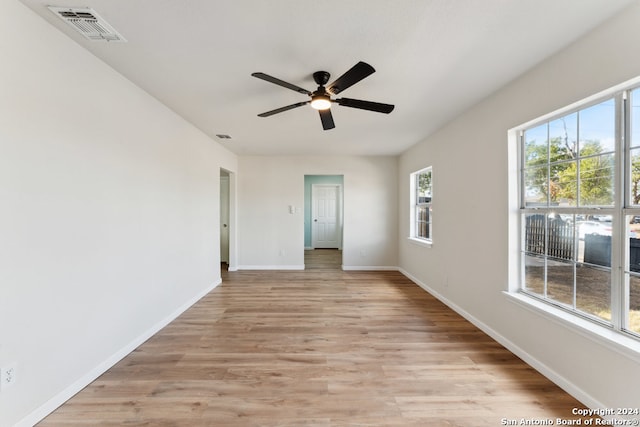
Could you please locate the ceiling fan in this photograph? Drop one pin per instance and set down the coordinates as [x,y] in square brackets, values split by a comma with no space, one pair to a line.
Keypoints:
[321,98]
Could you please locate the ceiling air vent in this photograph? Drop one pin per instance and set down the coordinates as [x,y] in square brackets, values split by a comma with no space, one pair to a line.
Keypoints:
[88,23]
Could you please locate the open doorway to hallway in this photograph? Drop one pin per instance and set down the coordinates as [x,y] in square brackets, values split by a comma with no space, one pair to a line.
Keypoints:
[227,221]
[323,220]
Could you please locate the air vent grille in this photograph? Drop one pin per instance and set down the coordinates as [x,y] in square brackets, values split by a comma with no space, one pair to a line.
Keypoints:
[88,23]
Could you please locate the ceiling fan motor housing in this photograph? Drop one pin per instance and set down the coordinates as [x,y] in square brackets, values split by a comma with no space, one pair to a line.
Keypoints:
[320,99]
[321,77]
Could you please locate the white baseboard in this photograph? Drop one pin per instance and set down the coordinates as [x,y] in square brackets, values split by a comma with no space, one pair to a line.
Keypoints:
[302,267]
[271,267]
[52,404]
[369,268]
[545,370]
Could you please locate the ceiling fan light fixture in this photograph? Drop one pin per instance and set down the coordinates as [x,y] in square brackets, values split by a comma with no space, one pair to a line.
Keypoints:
[320,102]
[321,98]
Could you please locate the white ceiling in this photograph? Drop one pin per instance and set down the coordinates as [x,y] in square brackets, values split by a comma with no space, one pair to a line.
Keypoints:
[433,60]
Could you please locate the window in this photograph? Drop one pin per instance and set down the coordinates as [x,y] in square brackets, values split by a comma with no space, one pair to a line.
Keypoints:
[580,211]
[421,214]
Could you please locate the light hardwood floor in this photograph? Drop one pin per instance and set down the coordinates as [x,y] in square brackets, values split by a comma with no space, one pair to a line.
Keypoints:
[323,259]
[321,347]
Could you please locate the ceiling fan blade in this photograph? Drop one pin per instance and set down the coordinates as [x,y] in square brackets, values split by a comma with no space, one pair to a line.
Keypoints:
[281,109]
[327,119]
[279,82]
[351,77]
[366,105]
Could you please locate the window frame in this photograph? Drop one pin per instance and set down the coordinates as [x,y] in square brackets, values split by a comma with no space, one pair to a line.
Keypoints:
[417,205]
[628,208]
[620,211]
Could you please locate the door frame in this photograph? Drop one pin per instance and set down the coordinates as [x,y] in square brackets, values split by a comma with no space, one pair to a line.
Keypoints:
[233,250]
[224,217]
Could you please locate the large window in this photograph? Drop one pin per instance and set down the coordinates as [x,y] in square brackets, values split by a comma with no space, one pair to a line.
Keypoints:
[421,214]
[580,210]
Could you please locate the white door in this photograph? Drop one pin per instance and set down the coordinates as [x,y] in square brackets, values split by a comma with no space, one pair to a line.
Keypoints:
[326,216]
[224,219]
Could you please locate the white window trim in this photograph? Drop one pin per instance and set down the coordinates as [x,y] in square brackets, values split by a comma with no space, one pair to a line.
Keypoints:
[621,341]
[420,242]
[600,334]
[413,238]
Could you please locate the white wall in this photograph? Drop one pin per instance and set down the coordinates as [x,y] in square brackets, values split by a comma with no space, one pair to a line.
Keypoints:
[270,237]
[109,216]
[468,263]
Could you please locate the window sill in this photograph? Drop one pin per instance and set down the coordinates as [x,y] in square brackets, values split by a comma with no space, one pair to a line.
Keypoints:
[602,335]
[421,242]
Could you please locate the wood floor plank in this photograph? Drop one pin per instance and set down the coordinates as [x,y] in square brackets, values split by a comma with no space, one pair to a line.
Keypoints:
[317,348]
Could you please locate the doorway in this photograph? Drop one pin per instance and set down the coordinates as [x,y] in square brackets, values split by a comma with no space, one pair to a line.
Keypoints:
[227,221]
[323,219]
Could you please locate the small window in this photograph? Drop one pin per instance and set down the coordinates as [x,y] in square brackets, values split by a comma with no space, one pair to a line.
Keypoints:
[421,210]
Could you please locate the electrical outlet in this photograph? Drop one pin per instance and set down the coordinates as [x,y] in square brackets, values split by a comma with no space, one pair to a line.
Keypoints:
[7,376]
